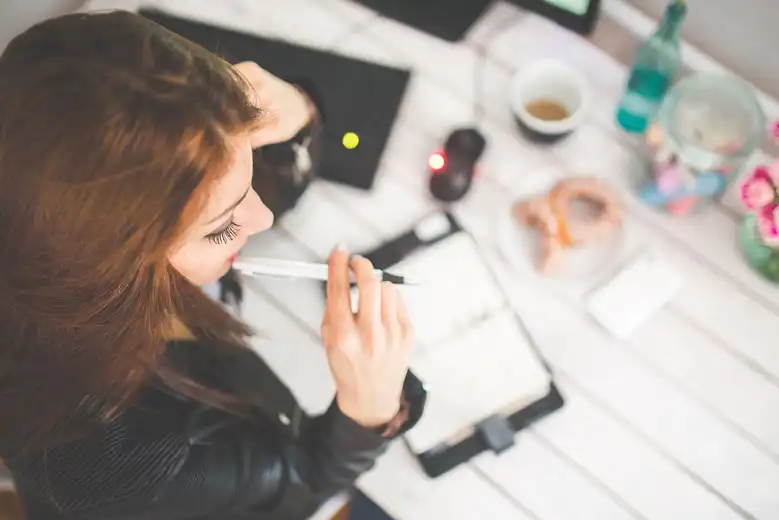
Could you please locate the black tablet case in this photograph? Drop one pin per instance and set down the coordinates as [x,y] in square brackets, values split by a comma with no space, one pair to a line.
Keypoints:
[488,437]
[356,96]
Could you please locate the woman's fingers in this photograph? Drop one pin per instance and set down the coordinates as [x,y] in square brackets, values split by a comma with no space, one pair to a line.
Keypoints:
[389,313]
[404,321]
[339,302]
[369,287]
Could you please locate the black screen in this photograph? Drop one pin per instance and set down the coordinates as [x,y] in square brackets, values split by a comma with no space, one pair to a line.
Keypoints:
[446,19]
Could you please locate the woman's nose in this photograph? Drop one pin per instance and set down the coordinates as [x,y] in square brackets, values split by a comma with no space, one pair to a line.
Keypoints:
[257,217]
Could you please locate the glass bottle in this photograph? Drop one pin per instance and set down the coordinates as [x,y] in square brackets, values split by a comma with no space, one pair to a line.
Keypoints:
[653,71]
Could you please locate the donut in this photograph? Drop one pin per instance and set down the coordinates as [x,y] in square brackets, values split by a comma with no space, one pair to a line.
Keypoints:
[550,215]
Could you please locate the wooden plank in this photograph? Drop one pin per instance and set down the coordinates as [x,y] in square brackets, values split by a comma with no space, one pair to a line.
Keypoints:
[683,443]
[401,489]
[613,471]
[653,484]
[674,423]
[549,483]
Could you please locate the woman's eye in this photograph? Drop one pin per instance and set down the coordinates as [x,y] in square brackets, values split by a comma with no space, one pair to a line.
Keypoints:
[225,235]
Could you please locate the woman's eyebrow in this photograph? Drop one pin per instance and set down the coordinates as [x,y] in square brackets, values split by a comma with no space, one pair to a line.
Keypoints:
[230,208]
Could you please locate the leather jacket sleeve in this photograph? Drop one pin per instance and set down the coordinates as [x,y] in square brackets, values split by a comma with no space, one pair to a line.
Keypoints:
[234,466]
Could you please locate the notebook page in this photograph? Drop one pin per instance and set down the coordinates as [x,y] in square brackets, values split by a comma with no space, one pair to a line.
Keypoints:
[491,369]
[457,289]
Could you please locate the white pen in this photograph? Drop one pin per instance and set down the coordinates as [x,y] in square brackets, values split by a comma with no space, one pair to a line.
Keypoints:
[311,271]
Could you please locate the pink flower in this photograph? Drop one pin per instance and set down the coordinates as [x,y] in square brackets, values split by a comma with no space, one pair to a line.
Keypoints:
[775,131]
[758,190]
[767,223]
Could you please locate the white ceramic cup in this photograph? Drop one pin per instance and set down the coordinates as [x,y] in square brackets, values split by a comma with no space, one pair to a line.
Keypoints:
[549,80]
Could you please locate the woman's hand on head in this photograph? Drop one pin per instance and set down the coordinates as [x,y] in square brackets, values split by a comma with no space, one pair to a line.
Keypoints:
[369,351]
[286,108]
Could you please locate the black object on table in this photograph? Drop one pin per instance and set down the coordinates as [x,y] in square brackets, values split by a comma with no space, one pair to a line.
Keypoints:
[453,173]
[446,19]
[581,21]
[363,508]
[355,96]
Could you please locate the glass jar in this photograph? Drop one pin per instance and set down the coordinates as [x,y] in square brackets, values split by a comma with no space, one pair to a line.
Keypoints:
[763,258]
[707,127]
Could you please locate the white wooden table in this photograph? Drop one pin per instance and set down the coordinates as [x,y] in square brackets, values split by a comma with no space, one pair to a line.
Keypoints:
[679,422]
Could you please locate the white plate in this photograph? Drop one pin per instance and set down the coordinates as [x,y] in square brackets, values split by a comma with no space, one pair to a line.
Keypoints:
[520,245]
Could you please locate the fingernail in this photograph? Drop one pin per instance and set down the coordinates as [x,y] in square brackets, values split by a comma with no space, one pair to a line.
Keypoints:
[341,247]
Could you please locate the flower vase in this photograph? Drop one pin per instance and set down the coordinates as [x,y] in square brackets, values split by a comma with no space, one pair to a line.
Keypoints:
[762,257]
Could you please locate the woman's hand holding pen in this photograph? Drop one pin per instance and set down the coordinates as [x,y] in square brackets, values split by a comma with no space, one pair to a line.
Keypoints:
[369,351]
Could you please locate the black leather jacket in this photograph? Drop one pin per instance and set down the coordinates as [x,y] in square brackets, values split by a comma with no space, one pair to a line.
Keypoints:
[170,458]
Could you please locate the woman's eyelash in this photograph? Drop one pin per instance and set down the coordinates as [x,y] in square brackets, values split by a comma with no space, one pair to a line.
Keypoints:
[226,235]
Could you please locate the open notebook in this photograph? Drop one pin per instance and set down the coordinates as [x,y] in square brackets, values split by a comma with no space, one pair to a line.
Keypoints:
[472,352]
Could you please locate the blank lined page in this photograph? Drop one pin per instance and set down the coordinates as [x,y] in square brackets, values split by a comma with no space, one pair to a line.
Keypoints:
[471,351]
[457,290]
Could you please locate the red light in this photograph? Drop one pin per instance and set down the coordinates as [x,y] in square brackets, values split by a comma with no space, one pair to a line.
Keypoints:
[436,161]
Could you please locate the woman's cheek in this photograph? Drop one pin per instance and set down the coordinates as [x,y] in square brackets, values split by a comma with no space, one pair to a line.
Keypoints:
[202,263]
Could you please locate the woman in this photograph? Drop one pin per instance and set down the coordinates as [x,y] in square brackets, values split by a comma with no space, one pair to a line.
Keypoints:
[125,392]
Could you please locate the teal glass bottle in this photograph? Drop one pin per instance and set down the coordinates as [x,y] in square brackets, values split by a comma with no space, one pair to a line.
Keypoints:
[653,71]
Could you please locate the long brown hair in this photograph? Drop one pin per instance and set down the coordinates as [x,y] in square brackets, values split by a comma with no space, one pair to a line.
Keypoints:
[111,131]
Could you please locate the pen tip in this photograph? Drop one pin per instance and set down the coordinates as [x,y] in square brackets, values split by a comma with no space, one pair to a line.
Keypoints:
[400,280]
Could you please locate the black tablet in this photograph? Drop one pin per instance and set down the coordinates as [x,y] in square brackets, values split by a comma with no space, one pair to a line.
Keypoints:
[446,19]
[577,15]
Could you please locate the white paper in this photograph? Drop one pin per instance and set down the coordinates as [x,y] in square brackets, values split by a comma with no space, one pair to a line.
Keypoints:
[637,292]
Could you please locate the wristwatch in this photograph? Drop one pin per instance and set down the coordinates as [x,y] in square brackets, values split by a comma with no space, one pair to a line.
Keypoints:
[395,425]
[412,405]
